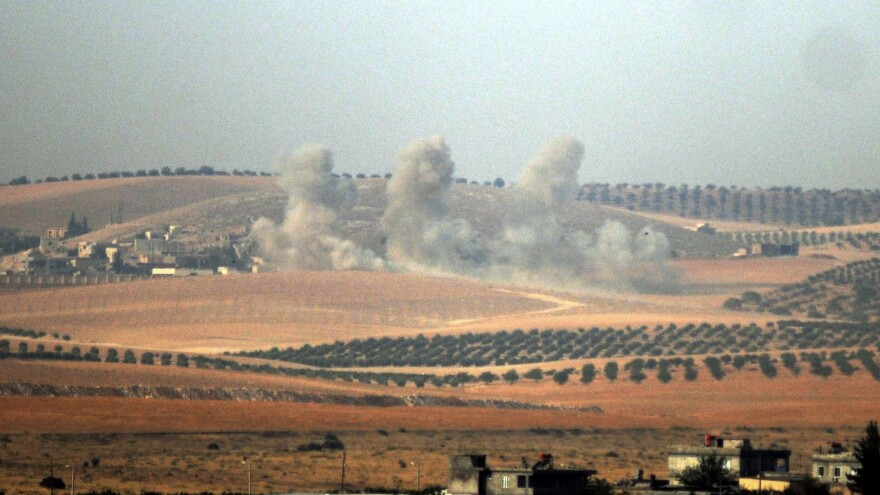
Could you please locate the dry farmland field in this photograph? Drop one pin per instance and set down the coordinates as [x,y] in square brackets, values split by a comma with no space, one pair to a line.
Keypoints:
[141,386]
[378,458]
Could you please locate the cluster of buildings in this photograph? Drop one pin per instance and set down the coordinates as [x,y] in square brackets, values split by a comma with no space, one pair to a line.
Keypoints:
[757,469]
[171,251]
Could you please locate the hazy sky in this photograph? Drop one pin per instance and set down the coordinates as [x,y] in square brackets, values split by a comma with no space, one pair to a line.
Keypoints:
[738,92]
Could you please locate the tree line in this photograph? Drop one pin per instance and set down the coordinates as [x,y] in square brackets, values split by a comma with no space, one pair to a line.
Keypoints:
[636,369]
[848,292]
[535,346]
[777,205]
[856,240]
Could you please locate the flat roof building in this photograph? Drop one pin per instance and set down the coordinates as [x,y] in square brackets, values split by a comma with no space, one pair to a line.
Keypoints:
[835,467]
[469,475]
[739,457]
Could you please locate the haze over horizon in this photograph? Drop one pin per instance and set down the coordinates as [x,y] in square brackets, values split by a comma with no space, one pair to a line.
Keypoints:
[745,93]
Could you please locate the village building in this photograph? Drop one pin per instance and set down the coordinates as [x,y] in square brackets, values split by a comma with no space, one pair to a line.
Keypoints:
[770,249]
[705,228]
[56,233]
[469,475]
[738,456]
[835,467]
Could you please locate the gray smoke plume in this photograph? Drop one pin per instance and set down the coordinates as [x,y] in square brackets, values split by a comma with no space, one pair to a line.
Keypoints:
[416,221]
[535,247]
[309,238]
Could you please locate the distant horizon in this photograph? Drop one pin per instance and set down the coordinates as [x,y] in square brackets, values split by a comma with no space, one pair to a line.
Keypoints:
[381,175]
[728,92]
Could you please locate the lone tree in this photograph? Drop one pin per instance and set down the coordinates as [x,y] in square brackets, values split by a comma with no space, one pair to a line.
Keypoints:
[709,474]
[866,478]
[52,482]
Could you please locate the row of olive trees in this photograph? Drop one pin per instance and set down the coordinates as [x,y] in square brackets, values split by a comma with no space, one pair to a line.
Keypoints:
[155,172]
[788,205]
[519,347]
[847,292]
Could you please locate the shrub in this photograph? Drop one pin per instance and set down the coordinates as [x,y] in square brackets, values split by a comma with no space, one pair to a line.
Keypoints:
[588,373]
[767,367]
[52,482]
[611,370]
[510,376]
[733,303]
[182,361]
[487,377]
[561,377]
[714,365]
[789,360]
[534,374]
[128,357]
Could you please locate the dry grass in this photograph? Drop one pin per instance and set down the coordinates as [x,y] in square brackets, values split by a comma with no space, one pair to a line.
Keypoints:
[210,314]
[161,445]
[255,311]
[182,462]
[377,447]
[36,207]
[689,223]
[704,402]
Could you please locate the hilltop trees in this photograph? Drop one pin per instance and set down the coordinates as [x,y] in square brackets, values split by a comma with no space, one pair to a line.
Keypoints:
[786,205]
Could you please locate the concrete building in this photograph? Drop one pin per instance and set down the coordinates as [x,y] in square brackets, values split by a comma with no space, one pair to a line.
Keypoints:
[56,233]
[835,467]
[35,263]
[469,475]
[738,454]
[51,245]
[86,249]
[705,228]
[770,249]
[155,247]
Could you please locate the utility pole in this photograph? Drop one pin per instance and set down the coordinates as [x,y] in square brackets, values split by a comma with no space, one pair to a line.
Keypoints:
[418,475]
[72,478]
[342,481]
[248,464]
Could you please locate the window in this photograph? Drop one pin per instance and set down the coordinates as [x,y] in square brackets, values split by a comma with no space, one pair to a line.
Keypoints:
[522,481]
[837,472]
[820,472]
[505,482]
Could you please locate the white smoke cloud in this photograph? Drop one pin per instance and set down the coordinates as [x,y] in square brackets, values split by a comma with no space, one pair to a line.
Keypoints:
[309,236]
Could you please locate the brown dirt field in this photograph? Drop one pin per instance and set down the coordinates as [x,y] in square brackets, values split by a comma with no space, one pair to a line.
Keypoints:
[858,228]
[802,401]
[256,311]
[722,225]
[166,462]
[82,415]
[752,270]
[212,314]
[36,207]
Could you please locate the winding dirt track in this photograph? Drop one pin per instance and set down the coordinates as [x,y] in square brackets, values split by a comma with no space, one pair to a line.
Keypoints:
[560,305]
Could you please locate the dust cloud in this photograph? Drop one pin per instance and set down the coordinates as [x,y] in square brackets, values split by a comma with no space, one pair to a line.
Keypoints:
[309,236]
[535,247]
